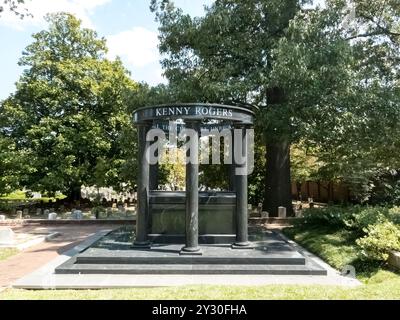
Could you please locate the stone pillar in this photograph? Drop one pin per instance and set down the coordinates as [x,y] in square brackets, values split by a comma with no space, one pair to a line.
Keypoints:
[142,188]
[242,238]
[192,194]
[232,175]
[154,168]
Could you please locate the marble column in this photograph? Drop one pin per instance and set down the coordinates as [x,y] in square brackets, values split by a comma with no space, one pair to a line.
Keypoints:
[142,211]
[242,238]
[192,194]
[232,176]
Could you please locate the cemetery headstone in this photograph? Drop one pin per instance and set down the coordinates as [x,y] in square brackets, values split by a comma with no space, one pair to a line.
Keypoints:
[6,236]
[121,209]
[2,217]
[19,214]
[109,211]
[281,212]
[52,216]
[264,214]
[38,211]
[77,214]
[259,209]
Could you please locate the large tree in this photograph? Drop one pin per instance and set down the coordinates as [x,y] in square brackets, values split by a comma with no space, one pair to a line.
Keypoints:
[70,110]
[305,68]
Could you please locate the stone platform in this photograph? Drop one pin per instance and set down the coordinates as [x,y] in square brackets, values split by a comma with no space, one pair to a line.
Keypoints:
[113,254]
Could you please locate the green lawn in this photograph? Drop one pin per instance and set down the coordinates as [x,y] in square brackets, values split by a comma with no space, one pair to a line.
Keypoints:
[6,253]
[337,247]
[19,195]
[383,285]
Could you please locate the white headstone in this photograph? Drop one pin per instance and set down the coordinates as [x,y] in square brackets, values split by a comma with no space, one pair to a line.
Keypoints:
[36,195]
[77,214]
[2,217]
[19,214]
[264,214]
[52,216]
[299,214]
[281,212]
[6,236]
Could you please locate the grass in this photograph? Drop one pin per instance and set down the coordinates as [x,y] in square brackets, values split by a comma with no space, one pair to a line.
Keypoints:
[383,285]
[7,252]
[335,245]
[20,195]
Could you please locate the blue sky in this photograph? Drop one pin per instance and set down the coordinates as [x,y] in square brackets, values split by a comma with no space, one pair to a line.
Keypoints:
[128,26]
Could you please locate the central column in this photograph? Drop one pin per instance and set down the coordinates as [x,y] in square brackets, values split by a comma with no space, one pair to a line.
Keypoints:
[192,191]
[142,188]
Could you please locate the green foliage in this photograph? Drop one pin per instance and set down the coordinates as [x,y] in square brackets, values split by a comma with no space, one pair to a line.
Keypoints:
[304,164]
[332,87]
[334,245]
[355,217]
[13,165]
[369,216]
[381,238]
[384,188]
[375,228]
[6,206]
[256,181]
[70,111]
[335,216]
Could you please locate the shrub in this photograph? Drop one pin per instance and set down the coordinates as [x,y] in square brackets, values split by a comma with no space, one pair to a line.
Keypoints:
[6,207]
[369,216]
[333,215]
[394,215]
[380,239]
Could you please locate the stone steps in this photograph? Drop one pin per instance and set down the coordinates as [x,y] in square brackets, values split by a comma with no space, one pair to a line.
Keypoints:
[184,260]
[245,269]
[113,254]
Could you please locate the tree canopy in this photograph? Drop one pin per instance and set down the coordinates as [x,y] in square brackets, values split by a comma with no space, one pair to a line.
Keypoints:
[318,77]
[69,112]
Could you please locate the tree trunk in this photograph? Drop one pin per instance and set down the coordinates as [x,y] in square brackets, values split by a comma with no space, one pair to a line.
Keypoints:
[74,193]
[277,181]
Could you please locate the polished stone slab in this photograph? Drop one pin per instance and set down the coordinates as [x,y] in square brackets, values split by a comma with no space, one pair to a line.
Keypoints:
[216,213]
[113,254]
[45,278]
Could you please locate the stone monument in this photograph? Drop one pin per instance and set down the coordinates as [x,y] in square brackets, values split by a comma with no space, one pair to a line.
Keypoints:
[167,216]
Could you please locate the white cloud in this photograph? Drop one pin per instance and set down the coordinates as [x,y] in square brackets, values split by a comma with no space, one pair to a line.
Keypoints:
[137,46]
[39,8]
[138,49]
